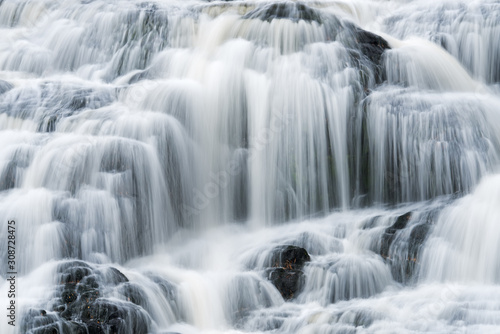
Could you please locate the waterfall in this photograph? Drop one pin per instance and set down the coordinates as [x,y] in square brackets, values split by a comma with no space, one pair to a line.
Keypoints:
[250,166]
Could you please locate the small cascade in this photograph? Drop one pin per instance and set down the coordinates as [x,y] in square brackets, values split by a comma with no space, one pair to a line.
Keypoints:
[250,166]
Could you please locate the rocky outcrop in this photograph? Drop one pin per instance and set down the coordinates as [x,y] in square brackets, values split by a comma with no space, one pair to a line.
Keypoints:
[80,307]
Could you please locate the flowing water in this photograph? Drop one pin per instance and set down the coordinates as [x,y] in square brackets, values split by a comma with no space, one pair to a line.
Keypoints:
[157,155]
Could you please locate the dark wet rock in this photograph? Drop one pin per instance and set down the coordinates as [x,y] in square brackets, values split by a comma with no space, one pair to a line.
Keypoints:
[289,257]
[39,318]
[133,293]
[289,282]
[371,45]
[79,305]
[400,223]
[287,275]
[417,237]
[367,44]
[402,242]
[72,272]
[390,233]
[114,276]
[105,316]
[370,223]
[36,322]
[294,11]
[12,172]
[49,329]
[8,176]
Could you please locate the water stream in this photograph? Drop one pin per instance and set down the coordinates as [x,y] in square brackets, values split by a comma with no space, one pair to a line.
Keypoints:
[161,158]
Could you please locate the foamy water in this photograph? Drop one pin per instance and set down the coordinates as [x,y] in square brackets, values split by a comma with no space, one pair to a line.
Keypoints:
[171,147]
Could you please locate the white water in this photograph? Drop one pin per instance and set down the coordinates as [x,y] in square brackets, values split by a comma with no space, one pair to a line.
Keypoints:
[181,142]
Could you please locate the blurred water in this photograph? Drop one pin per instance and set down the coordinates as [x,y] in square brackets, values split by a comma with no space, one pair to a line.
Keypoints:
[171,147]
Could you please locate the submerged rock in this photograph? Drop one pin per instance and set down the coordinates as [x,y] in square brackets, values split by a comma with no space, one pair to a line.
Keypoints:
[390,233]
[401,243]
[418,235]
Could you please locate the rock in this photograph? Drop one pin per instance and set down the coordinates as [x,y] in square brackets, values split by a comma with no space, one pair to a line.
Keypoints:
[287,275]
[365,51]
[8,176]
[371,45]
[289,257]
[105,316]
[79,306]
[370,223]
[114,276]
[403,253]
[133,293]
[417,237]
[289,282]
[390,233]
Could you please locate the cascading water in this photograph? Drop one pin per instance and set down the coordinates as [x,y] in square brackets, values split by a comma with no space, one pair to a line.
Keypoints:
[250,166]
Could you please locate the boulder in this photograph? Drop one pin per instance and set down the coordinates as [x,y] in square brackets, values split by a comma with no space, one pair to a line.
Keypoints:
[286,273]
[289,282]
[79,305]
[289,257]
[371,45]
